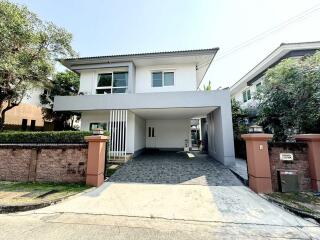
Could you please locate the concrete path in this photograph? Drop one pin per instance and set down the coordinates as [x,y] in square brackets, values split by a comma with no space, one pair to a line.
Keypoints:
[119,210]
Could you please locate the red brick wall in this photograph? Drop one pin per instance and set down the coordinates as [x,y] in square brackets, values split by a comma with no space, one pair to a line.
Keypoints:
[300,163]
[45,163]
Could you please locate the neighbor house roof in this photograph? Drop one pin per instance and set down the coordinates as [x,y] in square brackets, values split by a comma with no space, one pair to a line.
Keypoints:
[202,58]
[285,50]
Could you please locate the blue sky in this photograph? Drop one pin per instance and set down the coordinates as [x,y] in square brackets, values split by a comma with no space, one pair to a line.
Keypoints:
[102,27]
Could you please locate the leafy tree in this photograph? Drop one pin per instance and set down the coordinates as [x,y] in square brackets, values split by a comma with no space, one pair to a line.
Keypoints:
[239,117]
[239,120]
[27,51]
[289,100]
[63,84]
[208,87]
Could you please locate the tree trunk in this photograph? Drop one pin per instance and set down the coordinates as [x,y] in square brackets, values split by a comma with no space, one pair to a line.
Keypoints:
[3,113]
[2,118]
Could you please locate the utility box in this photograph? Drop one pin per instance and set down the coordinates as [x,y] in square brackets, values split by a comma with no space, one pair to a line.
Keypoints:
[288,181]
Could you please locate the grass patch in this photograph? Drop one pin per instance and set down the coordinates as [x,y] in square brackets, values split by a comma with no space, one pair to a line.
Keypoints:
[31,186]
[305,201]
[20,193]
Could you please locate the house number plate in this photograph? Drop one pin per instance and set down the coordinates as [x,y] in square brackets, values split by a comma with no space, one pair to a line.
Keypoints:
[286,156]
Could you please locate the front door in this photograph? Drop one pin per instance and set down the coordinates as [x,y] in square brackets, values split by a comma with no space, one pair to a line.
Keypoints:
[151,137]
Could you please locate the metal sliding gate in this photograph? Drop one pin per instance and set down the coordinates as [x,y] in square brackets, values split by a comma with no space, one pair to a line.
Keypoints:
[118,134]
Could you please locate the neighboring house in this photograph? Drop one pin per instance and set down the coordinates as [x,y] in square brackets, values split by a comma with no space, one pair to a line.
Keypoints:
[27,115]
[147,100]
[245,89]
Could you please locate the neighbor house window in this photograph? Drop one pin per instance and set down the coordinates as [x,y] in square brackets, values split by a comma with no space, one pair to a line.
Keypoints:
[258,86]
[115,82]
[24,124]
[246,95]
[160,79]
[33,125]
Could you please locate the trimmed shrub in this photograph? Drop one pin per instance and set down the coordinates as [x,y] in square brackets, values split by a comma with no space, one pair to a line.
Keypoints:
[44,137]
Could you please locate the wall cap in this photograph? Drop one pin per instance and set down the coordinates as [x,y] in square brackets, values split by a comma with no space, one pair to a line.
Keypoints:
[257,136]
[308,137]
[96,138]
[42,145]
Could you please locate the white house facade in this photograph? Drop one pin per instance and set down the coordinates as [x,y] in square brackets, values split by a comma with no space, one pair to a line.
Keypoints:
[148,101]
[244,90]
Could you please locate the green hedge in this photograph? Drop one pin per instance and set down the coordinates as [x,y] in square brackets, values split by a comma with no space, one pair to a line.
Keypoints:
[44,137]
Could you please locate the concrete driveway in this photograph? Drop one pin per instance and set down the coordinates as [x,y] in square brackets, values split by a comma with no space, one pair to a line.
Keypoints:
[183,208]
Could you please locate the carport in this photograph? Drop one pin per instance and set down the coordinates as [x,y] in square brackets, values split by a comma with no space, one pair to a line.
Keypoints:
[169,128]
[158,120]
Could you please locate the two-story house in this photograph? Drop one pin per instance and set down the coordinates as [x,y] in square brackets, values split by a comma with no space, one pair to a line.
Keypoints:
[244,90]
[147,100]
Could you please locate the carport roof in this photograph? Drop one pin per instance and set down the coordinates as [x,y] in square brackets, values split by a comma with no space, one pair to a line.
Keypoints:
[173,113]
[130,101]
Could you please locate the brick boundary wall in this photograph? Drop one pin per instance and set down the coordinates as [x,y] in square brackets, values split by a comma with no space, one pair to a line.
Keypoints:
[300,163]
[43,162]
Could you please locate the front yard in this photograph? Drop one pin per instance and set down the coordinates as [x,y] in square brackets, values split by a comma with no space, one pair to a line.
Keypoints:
[19,196]
[302,203]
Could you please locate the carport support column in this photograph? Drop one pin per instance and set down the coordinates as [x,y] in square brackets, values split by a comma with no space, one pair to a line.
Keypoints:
[96,159]
[258,162]
[313,141]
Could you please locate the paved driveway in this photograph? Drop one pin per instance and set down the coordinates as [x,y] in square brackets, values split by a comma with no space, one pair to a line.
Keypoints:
[175,168]
[159,202]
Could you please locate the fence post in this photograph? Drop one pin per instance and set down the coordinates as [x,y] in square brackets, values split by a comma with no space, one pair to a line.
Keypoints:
[258,162]
[313,141]
[96,159]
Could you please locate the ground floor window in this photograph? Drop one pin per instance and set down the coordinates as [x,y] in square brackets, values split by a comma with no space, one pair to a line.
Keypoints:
[96,125]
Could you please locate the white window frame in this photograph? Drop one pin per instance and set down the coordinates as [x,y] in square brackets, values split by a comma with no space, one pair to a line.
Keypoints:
[245,94]
[163,72]
[259,84]
[112,79]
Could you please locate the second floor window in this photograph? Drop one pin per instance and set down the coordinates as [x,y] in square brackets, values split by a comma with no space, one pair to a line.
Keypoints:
[246,95]
[116,82]
[160,79]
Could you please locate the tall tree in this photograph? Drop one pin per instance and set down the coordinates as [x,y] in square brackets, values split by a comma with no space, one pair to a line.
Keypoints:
[63,84]
[27,51]
[289,100]
[207,87]
[239,117]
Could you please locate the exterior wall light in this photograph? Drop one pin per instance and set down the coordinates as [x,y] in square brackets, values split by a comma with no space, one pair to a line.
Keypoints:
[255,129]
[97,131]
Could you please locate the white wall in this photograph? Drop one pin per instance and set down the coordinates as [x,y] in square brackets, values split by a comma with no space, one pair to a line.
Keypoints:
[139,133]
[184,78]
[130,132]
[170,133]
[93,116]
[86,82]
[220,135]
[33,96]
